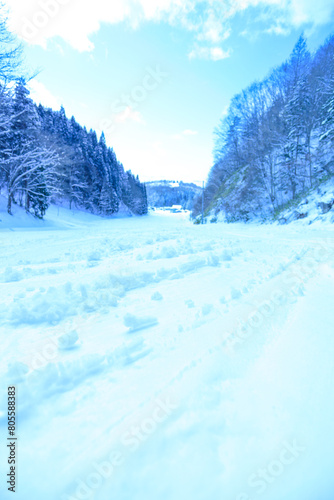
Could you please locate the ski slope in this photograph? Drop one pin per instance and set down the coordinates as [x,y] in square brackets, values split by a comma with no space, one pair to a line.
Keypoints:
[155,359]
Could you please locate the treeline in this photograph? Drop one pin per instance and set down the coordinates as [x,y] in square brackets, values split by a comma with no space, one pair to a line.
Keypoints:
[167,194]
[277,140]
[46,157]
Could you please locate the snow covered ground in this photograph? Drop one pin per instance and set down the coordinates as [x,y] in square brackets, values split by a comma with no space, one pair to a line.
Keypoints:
[316,207]
[156,359]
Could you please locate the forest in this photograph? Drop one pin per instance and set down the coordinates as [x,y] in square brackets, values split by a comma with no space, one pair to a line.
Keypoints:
[276,142]
[46,157]
[168,193]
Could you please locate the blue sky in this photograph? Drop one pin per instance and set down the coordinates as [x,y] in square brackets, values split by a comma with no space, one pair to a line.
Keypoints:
[158,76]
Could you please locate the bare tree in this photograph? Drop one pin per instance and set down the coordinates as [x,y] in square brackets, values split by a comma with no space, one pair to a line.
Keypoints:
[32,174]
[10,51]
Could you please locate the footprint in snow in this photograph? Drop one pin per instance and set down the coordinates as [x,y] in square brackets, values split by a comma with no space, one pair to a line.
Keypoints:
[135,323]
[68,341]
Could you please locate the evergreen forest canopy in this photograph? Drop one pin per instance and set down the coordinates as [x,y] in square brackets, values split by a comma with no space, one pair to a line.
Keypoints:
[46,157]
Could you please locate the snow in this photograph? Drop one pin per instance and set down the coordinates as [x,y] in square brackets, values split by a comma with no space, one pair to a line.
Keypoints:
[309,209]
[154,358]
[135,323]
[172,184]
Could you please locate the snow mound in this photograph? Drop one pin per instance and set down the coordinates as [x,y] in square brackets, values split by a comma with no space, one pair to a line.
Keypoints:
[316,207]
[135,323]
[68,341]
[157,296]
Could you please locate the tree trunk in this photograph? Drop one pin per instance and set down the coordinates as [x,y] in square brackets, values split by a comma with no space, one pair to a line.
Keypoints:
[9,204]
[27,204]
[310,159]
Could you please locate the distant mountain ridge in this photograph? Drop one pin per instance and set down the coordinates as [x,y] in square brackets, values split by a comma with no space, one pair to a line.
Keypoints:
[166,193]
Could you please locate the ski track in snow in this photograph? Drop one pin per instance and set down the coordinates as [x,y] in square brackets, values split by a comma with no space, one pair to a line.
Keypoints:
[193,355]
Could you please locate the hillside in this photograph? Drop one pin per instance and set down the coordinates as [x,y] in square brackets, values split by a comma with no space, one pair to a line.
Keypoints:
[316,206]
[168,193]
[46,157]
[275,146]
[57,217]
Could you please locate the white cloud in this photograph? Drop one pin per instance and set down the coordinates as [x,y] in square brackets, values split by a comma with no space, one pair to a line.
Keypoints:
[210,53]
[37,21]
[278,29]
[214,29]
[129,114]
[189,132]
[185,133]
[75,21]
[41,95]
[310,11]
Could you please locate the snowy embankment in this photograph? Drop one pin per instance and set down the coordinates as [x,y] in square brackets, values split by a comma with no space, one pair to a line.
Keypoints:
[316,207]
[158,359]
[313,207]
